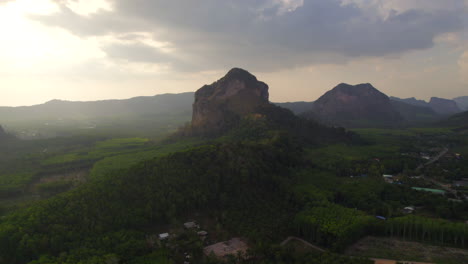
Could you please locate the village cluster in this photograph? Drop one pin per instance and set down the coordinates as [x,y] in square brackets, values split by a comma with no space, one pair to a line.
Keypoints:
[221,250]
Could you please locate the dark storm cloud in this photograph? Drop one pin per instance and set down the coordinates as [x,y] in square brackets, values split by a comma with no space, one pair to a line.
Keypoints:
[259,34]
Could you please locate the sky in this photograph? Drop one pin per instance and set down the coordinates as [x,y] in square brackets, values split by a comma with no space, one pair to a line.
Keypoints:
[84,50]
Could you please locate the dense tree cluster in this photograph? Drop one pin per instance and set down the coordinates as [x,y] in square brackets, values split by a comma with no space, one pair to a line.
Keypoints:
[260,180]
[245,186]
[423,229]
[332,225]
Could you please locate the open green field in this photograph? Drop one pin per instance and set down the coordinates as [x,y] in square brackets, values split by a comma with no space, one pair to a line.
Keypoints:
[102,149]
[47,167]
[126,160]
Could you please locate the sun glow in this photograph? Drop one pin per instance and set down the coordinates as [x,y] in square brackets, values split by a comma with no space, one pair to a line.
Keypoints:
[28,45]
[88,7]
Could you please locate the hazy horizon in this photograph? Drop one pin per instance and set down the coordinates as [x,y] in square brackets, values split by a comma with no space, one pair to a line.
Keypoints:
[126,98]
[87,50]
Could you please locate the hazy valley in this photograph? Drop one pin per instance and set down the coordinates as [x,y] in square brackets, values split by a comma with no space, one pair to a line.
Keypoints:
[168,178]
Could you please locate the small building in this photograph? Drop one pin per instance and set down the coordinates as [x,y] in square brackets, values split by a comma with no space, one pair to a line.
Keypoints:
[388,178]
[408,210]
[462,183]
[164,236]
[190,225]
[234,247]
[435,191]
[202,233]
[425,156]
[380,217]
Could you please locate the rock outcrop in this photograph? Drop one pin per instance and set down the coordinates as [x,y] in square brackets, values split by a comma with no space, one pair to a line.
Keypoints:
[444,106]
[355,106]
[221,104]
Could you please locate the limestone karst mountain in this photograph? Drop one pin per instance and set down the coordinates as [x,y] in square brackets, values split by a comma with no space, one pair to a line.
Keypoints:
[218,105]
[355,106]
[237,106]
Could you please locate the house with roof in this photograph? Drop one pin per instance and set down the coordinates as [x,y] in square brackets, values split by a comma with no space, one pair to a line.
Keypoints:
[235,246]
[163,236]
[190,225]
[435,191]
[408,210]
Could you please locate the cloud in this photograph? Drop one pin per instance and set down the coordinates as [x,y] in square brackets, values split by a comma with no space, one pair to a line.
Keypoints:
[264,35]
[137,53]
[87,7]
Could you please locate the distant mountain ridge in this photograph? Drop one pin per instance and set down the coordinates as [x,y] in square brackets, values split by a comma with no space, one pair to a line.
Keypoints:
[166,112]
[413,113]
[462,102]
[459,121]
[440,106]
[143,116]
[297,107]
[411,101]
[444,106]
[56,109]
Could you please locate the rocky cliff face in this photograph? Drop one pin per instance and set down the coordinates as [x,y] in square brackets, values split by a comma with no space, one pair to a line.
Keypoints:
[356,106]
[444,106]
[225,101]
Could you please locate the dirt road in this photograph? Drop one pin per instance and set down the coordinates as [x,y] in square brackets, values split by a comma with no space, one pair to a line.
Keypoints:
[389,261]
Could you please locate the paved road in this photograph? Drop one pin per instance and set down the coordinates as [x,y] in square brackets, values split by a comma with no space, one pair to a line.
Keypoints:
[303,241]
[441,185]
[389,261]
[434,159]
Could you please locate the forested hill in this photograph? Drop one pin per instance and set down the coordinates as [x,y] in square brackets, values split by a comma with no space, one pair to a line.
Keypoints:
[459,120]
[244,186]
[414,113]
[462,102]
[152,116]
[241,181]
[266,175]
